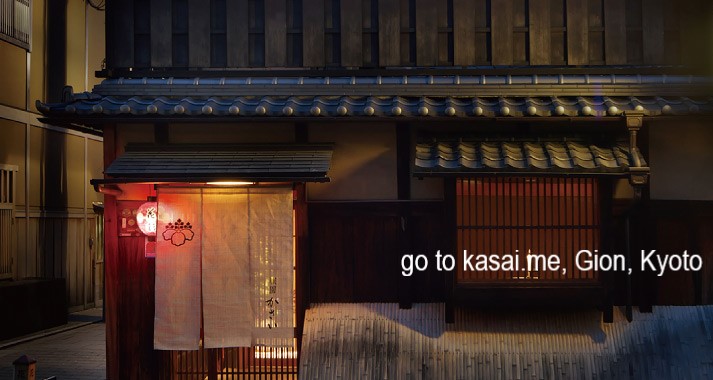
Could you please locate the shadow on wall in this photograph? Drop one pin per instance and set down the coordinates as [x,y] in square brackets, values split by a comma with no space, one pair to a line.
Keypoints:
[52,229]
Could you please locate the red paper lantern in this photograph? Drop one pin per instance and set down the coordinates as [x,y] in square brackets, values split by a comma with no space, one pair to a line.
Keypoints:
[146,218]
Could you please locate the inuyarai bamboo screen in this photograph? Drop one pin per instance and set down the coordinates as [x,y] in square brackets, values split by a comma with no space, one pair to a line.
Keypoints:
[516,216]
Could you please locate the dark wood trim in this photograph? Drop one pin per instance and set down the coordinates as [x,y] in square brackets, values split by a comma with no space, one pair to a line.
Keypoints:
[614,29]
[313,33]
[501,32]
[607,245]
[653,32]
[161,133]
[161,33]
[426,33]
[539,31]
[351,33]
[111,262]
[302,265]
[403,180]
[681,208]
[449,198]
[237,33]
[275,33]
[198,33]
[577,32]
[389,33]
[403,164]
[463,32]
[123,71]
[120,38]
[301,133]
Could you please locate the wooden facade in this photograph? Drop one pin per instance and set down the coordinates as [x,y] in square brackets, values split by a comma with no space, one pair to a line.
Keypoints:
[182,34]
[352,232]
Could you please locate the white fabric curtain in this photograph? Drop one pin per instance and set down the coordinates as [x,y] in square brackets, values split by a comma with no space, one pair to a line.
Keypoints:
[178,270]
[245,272]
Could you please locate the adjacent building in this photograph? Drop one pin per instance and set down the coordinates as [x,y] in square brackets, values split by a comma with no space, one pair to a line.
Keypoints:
[50,258]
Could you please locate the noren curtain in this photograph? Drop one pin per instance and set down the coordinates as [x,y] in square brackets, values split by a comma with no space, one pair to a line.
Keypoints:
[242,246]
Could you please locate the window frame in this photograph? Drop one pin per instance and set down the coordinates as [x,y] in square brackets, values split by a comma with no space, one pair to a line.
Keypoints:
[10,22]
[551,215]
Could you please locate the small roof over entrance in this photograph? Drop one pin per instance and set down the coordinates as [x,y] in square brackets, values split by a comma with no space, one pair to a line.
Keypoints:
[218,162]
[563,156]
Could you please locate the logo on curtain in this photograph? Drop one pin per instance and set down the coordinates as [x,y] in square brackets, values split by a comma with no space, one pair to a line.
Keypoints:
[178,233]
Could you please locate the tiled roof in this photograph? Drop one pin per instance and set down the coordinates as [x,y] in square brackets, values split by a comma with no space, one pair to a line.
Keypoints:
[94,106]
[196,163]
[369,341]
[439,157]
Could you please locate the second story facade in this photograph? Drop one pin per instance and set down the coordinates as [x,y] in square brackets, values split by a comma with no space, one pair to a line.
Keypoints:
[163,37]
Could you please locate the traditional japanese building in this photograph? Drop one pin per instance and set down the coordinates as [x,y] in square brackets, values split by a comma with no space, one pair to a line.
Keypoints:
[264,158]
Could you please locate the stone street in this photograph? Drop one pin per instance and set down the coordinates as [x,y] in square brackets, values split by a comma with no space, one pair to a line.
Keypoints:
[76,354]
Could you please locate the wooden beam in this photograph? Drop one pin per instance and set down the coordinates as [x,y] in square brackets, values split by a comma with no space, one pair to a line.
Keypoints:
[426,33]
[275,33]
[198,34]
[614,32]
[653,28]
[313,33]
[237,33]
[350,33]
[389,33]
[161,37]
[501,19]
[577,32]
[539,28]
[463,32]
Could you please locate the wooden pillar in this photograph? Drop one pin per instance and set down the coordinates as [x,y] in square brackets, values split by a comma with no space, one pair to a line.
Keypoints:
[403,183]
[302,259]
[607,278]
[111,264]
[449,197]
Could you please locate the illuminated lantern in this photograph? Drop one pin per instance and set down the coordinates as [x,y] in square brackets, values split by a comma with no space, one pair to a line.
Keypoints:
[146,217]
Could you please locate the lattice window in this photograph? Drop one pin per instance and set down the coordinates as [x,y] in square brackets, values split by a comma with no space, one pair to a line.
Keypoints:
[7,218]
[509,216]
[15,22]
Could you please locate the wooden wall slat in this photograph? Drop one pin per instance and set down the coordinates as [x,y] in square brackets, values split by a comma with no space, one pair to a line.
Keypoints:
[161,36]
[577,32]
[313,33]
[275,33]
[351,33]
[501,32]
[123,33]
[614,32]
[237,33]
[539,28]
[443,36]
[198,34]
[520,40]
[426,33]
[389,32]
[653,27]
[463,32]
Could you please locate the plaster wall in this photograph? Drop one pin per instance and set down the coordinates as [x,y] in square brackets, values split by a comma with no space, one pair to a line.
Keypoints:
[681,160]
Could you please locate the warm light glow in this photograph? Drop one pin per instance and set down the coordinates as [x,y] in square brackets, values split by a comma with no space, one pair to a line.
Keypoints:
[230,183]
[146,217]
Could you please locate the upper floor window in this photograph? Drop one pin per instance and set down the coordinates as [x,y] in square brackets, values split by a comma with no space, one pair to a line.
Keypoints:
[15,22]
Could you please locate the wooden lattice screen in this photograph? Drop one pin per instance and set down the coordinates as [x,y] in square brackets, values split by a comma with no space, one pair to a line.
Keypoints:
[497,216]
[7,218]
[234,363]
